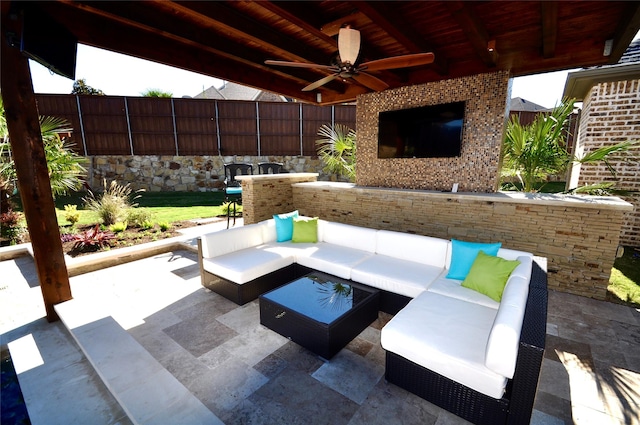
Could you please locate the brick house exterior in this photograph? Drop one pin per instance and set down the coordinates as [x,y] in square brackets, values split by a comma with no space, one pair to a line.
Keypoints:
[610,115]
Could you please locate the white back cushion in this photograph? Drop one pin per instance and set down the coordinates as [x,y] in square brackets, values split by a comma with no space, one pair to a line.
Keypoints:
[355,237]
[231,240]
[504,339]
[420,249]
[269,231]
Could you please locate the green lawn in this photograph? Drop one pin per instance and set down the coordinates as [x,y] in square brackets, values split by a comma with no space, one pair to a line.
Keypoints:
[625,277]
[165,207]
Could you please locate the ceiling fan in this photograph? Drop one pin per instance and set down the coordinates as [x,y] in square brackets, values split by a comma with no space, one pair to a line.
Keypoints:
[344,65]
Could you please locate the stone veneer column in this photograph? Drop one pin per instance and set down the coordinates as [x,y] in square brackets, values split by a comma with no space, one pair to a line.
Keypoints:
[267,194]
[579,235]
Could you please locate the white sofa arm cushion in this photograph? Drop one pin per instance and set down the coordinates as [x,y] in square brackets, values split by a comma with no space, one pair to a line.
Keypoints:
[232,240]
[502,346]
[421,249]
[361,238]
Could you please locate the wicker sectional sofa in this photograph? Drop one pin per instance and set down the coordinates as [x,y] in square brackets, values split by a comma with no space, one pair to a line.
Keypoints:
[453,346]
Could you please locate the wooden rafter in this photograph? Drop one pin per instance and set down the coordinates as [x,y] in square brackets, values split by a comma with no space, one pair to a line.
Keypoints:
[474,30]
[549,28]
[396,27]
[627,29]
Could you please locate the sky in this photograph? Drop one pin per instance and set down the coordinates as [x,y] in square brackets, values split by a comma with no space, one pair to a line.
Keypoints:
[120,75]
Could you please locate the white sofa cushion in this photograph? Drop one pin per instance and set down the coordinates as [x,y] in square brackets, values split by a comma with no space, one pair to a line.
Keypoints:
[405,246]
[329,258]
[246,265]
[447,336]
[346,235]
[402,277]
[504,339]
[453,288]
[232,240]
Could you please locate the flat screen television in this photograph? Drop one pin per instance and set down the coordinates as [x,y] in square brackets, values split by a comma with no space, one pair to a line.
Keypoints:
[48,43]
[433,131]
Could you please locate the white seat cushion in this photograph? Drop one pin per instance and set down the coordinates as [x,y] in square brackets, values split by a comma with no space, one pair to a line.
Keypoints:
[402,277]
[448,336]
[248,264]
[333,259]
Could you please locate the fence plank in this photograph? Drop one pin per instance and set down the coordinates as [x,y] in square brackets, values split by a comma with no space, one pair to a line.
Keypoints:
[196,126]
[64,107]
[238,130]
[105,125]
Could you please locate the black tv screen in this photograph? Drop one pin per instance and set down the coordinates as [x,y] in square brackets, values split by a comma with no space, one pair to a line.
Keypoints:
[48,43]
[433,131]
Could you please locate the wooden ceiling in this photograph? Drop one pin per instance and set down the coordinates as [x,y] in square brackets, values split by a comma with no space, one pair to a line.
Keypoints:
[231,40]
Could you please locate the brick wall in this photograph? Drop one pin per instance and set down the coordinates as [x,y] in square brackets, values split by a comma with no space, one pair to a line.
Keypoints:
[610,115]
[477,169]
[578,235]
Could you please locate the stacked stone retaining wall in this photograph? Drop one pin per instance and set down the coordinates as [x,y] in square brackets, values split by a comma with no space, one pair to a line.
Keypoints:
[157,173]
[578,235]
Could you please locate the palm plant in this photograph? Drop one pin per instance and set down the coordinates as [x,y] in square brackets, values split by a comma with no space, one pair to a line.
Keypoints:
[534,151]
[65,166]
[338,150]
[531,152]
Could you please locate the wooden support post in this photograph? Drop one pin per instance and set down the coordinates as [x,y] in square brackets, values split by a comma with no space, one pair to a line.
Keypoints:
[31,168]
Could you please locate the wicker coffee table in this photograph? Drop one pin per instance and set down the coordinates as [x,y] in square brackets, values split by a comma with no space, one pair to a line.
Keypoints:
[320,312]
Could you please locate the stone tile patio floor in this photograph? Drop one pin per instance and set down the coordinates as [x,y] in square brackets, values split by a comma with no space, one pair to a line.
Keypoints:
[246,374]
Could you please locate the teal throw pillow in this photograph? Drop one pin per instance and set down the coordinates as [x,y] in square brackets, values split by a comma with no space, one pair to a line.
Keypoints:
[305,230]
[489,275]
[284,225]
[463,254]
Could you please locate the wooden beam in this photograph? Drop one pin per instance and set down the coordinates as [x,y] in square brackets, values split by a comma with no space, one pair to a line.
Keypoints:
[549,28]
[176,50]
[627,29]
[31,168]
[393,24]
[473,29]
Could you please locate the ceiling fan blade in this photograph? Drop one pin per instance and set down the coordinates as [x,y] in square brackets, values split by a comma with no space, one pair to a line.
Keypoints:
[299,64]
[349,45]
[370,81]
[394,62]
[320,82]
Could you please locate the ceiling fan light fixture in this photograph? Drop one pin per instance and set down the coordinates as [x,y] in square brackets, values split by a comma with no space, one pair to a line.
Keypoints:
[349,45]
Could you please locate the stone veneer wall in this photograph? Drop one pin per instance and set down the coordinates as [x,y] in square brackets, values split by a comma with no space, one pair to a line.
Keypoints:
[184,173]
[578,235]
[478,167]
[610,115]
[266,195]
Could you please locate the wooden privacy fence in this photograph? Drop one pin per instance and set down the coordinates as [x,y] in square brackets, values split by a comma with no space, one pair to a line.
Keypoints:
[115,125]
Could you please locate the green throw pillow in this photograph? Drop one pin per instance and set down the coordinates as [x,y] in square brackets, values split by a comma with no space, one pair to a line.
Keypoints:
[305,229]
[489,275]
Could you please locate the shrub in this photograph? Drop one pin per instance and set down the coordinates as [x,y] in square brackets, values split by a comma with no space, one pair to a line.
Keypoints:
[136,217]
[113,204]
[164,226]
[118,227]
[93,238]
[10,227]
[226,205]
[147,225]
[71,214]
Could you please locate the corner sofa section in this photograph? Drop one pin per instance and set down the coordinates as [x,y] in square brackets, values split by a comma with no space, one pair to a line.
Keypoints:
[472,355]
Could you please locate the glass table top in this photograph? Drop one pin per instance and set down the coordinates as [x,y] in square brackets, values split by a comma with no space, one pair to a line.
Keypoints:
[319,296]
